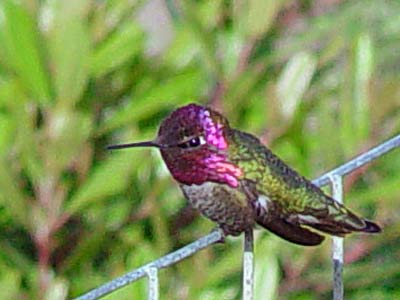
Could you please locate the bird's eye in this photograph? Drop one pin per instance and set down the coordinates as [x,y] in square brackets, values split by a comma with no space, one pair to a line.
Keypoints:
[193,142]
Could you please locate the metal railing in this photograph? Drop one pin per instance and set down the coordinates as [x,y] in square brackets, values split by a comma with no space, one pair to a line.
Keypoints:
[150,270]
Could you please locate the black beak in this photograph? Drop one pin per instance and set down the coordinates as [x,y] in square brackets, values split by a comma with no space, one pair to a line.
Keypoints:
[131,145]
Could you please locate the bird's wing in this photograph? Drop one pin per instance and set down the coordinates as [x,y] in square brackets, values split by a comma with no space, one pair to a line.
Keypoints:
[290,232]
[267,215]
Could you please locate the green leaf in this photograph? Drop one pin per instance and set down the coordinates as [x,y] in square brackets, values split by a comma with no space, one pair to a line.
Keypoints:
[58,289]
[254,17]
[205,38]
[182,50]
[107,179]
[68,131]
[121,47]
[69,45]
[7,131]
[15,257]
[12,197]
[19,38]
[86,247]
[294,81]
[166,94]
[363,69]
[27,137]
[7,120]
[388,188]
[266,276]
[232,42]
[209,12]
[243,84]
[9,283]
[355,102]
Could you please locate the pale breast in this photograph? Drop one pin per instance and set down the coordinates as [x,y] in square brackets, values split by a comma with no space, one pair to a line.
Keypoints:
[223,204]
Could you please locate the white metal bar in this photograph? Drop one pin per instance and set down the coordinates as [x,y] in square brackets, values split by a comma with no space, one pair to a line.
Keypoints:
[337,243]
[162,262]
[248,266]
[360,160]
[152,274]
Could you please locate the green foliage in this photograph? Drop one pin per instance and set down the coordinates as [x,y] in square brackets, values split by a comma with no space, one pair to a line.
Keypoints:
[317,81]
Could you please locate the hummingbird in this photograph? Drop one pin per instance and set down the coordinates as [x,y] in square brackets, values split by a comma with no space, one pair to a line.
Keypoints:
[236,181]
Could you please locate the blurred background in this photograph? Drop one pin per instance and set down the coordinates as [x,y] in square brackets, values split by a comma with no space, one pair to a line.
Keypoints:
[318,81]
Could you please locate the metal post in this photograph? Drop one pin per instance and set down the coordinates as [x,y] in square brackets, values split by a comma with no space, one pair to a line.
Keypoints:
[152,273]
[248,266]
[337,243]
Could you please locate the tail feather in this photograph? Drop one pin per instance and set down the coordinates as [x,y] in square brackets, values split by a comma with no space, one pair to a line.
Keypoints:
[331,229]
[371,227]
[341,228]
[344,221]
